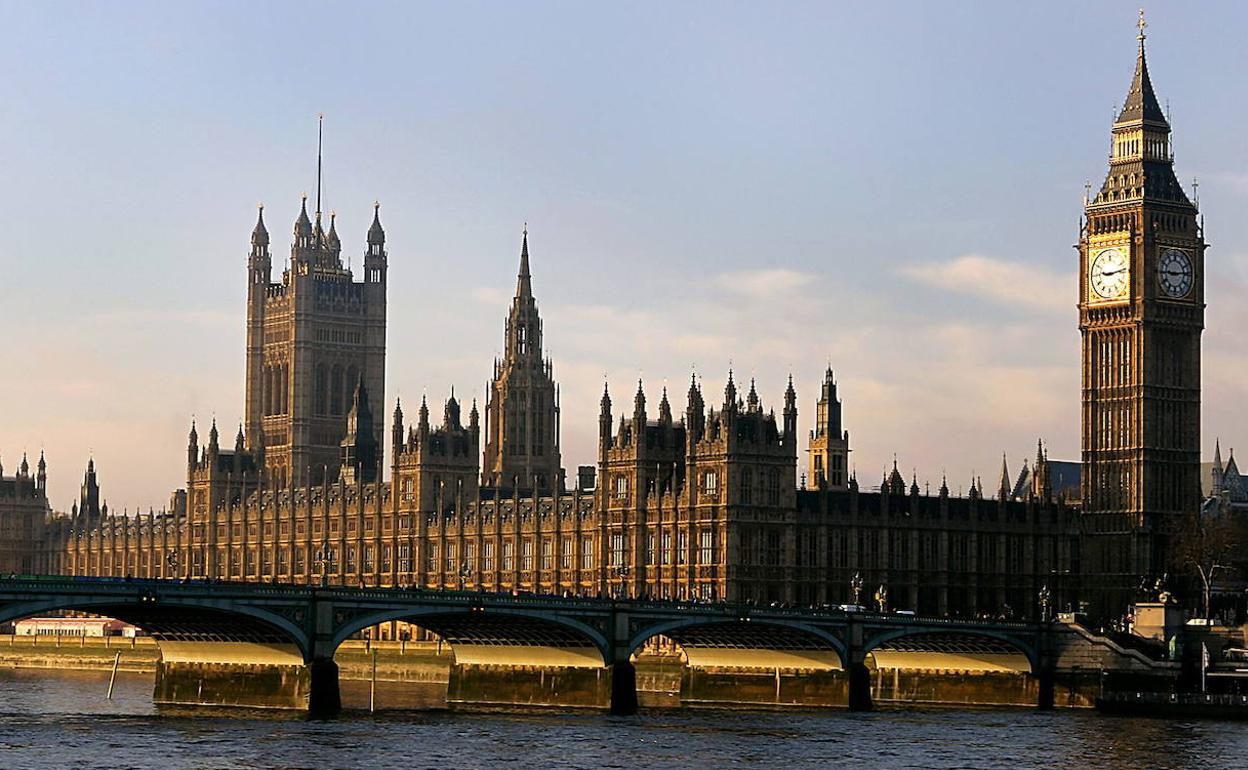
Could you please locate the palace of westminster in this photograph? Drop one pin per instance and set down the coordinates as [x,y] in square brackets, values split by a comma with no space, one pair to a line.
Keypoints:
[703,503]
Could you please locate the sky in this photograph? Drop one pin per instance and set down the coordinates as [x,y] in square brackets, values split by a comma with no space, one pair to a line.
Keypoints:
[893,189]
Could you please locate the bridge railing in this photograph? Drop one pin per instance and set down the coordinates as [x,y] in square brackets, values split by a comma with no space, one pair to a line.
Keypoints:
[473,598]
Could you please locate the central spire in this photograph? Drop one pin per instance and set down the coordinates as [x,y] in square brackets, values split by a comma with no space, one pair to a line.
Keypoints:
[524,281]
[1141,103]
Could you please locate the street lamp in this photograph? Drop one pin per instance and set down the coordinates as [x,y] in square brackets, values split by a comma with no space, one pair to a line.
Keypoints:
[855,586]
[1044,603]
[325,561]
[621,573]
[464,572]
[171,559]
[881,597]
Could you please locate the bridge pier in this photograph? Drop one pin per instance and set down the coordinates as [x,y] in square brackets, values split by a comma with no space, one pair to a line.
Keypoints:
[324,697]
[859,684]
[623,686]
[1046,670]
[856,669]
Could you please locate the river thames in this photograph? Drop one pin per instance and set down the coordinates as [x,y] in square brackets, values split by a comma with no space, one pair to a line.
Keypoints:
[63,720]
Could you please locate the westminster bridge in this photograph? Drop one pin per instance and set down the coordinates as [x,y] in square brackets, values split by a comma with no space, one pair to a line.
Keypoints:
[216,636]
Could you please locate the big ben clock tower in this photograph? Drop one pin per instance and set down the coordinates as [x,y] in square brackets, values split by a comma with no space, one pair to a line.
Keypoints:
[1141,313]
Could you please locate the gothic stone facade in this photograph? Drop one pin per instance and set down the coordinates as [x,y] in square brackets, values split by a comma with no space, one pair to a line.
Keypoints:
[311,339]
[1141,313]
[23,513]
[702,507]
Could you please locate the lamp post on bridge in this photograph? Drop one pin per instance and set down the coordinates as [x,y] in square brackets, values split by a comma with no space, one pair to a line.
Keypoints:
[325,558]
[855,586]
[171,560]
[621,574]
[1045,596]
[464,572]
[881,598]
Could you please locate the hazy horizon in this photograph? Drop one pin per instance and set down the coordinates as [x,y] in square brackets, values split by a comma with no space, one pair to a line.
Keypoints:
[893,191]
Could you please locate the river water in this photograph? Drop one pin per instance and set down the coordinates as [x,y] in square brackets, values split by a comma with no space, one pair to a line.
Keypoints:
[63,720]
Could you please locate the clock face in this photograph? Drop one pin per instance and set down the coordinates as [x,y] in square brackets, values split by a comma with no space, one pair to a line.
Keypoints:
[1109,273]
[1174,273]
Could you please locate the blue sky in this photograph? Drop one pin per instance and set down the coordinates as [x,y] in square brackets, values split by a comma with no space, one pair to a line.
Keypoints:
[894,188]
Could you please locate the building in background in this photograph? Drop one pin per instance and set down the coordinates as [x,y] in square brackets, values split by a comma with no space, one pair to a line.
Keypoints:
[23,512]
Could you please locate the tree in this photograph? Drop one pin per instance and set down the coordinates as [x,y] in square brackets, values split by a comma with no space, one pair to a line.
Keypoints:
[1206,542]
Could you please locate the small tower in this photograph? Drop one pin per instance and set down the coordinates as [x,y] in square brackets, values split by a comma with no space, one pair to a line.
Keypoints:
[1004,488]
[192,447]
[790,412]
[522,400]
[89,510]
[829,442]
[41,475]
[396,435]
[604,423]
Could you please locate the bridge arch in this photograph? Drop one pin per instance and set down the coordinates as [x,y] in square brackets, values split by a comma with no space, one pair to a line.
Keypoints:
[176,619]
[767,634]
[935,636]
[463,627]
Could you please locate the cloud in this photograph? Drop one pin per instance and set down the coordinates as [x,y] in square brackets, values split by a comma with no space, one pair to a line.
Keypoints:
[764,284]
[1012,284]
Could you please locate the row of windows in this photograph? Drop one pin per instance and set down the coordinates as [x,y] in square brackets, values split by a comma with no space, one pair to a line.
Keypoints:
[769,479]
[339,335]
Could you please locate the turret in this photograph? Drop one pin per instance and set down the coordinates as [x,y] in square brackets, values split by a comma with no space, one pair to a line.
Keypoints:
[604,417]
[695,411]
[213,447]
[1004,486]
[422,424]
[396,431]
[665,409]
[23,470]
[332,241]
[639,407]
[474,423]
[730,395]
[450,412]
[790,412]
[752,404]
[192,447]
[302,232]
[89,498]
[375,253]
[259,262]
[41,475]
